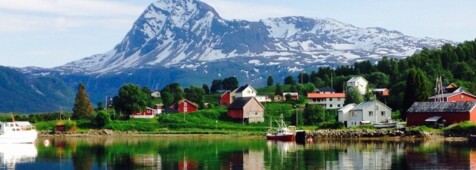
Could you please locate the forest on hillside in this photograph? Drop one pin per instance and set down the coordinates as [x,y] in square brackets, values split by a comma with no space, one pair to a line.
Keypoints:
[410,79]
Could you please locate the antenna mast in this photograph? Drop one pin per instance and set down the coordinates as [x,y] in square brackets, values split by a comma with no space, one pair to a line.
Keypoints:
[438,90]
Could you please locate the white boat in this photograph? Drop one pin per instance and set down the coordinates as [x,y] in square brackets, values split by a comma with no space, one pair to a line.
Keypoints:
[17,132]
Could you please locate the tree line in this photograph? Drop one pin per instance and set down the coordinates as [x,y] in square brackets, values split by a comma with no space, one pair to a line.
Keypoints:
[409,80]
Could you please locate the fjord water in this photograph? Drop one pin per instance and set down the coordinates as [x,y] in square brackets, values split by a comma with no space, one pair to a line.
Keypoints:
[227,152]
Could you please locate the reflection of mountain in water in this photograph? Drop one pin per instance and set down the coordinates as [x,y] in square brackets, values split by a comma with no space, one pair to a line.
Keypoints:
[12,154]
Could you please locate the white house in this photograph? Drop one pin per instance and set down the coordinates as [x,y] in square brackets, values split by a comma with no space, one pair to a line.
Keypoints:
[245,91]
[358,82]
[327,100]
[370,112]
[155,94]
[263,99]
[343,113]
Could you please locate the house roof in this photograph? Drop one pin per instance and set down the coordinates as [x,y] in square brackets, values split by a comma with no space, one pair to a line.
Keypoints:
[240,89]
[380,89]
[325,89]
[347,107]
[326,95]
[441,107]
[225,93]
[446,95]
[433,119]
[240,102]
[291,93]
[367,104]
[188,101]
[355,78]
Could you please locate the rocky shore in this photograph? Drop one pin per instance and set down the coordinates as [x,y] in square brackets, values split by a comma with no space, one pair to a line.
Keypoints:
[381,133]
[317,134]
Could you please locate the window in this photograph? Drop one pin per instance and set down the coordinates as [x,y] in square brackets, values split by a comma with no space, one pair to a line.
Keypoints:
[338,105]
[330,99]
[371,113]
[330,106]
[383,113]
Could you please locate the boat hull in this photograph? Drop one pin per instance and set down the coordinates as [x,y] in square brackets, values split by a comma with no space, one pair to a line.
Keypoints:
[280,137]
[385,125]
[19,137]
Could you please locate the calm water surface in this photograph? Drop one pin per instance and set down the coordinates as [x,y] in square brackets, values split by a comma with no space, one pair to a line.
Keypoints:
[232,153]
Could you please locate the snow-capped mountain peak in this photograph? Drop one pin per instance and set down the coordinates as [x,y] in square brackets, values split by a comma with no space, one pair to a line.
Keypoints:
[189,34]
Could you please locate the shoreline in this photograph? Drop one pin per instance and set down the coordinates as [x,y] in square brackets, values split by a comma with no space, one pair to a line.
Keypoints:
[317,135]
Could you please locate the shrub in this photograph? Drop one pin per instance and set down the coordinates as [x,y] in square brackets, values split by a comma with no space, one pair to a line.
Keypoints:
[464,128]
[330,125]
[101,119]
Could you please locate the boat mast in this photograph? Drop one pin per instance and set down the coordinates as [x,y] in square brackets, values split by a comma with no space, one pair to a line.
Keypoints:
[13,117]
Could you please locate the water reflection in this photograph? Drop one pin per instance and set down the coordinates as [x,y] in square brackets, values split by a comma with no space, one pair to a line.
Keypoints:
[243,153]
[13,154]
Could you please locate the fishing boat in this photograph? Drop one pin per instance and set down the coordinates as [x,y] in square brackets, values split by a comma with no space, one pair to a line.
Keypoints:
[281,133]
[17,132]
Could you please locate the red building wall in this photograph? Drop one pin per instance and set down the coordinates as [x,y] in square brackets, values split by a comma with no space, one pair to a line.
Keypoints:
[187,108]
[225,99]
[461,98]
[418,119]
[146,112]
[235,113]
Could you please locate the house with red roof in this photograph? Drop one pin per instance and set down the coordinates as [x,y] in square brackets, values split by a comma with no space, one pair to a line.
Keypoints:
[327,100]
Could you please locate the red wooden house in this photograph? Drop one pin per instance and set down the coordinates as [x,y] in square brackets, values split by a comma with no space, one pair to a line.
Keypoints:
[455,97]
[226,98]
[184,106]
[422,113]
[147,113]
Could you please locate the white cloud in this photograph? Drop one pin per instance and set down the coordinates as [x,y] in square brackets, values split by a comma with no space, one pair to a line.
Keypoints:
[71,7]
[60,15]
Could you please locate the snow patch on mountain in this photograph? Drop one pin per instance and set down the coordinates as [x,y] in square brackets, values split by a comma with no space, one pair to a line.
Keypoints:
[189,34]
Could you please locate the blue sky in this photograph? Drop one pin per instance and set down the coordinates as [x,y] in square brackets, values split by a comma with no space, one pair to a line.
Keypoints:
[49,33]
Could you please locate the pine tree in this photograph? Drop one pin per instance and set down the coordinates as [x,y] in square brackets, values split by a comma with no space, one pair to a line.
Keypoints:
[417,89]
[278,90]
[206,89]
[83,108]
[270,81]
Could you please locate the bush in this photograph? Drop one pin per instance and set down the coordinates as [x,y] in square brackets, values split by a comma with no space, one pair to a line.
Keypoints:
[463,128]
[101,119]
[330,125]
[70,125]
[422,129]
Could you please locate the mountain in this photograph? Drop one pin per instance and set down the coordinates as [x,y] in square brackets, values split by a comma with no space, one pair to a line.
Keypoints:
[186,41]
[190,34]
[26,94]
